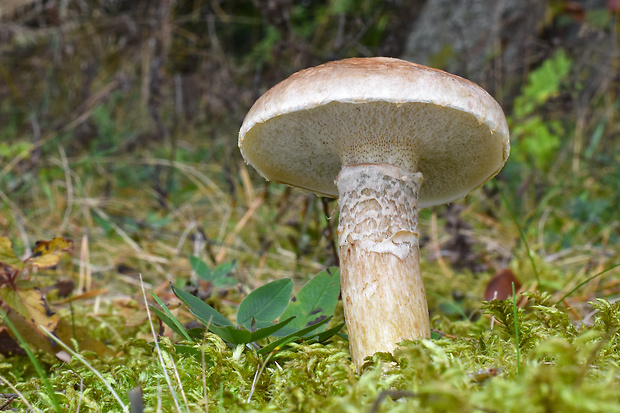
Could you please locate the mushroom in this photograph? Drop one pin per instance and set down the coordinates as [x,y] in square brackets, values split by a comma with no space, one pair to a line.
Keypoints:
[386,137]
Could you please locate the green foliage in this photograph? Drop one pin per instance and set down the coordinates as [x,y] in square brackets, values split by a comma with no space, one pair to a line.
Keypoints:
[589,209]
[219,276]
[533,326]
[543,84]
[262,50]
[535,139]
[167,317]
[265,304]
[208,62]
[563,368]
[203,311]
[26,307]
[314,302]
[12,150]
[33,359]
[302,319]
[609,315]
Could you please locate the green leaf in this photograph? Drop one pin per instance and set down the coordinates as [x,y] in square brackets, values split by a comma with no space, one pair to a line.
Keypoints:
[13,150]
[206,314]
[167,317]
[201,268]
[436,336]
[232,334]
[342,6]
[196,333]
[194,352]
[265,304]
[218,277]
[168,321]
[281,342]
[224,282]
[315,301]
[104,224]
[262,333]
[327,334]
[224,269]
[322,336]
[242,336]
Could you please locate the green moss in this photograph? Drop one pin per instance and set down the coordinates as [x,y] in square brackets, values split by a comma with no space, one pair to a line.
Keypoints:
[564,367]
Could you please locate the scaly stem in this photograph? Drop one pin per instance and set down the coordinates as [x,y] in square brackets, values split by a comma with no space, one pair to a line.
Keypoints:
[382,290]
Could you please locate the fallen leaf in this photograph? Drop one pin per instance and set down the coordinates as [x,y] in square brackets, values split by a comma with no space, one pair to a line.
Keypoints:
[47,253]
[61,288]
[7,255]
[66,332]
[8,345]
[575,11]
[84,296]
[500,286]
[31,334]
[482,375]
[30,304]
[28,310]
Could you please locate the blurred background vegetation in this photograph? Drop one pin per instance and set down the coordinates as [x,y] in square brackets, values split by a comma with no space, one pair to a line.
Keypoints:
[118,125]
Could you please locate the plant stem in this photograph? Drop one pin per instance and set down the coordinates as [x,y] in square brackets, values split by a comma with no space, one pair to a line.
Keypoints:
[521,233]
[586,281]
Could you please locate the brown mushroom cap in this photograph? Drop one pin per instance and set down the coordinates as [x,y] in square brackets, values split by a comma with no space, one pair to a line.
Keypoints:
[377,110]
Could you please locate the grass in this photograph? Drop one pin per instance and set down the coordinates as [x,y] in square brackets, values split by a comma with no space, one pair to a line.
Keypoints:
[139,203]
[51,394]
[555,342]
[472,366]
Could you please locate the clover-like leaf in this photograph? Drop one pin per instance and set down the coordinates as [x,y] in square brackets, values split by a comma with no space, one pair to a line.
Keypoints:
[265,304]
[314,302]
[201,268]
[206,314]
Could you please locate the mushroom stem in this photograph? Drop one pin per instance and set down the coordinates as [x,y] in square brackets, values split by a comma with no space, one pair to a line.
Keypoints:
[382,290]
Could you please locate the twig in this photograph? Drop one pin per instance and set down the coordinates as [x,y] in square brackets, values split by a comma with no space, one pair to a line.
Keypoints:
[392,394]
[20,395]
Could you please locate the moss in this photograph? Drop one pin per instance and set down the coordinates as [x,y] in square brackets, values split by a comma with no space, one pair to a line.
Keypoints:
[563,368]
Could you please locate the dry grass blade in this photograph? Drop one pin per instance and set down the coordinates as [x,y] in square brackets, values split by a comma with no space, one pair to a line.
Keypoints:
[8,8]
[89,366]
[160,356]
[232,236]
[23,399]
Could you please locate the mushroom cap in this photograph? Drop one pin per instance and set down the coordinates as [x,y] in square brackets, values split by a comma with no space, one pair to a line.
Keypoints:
[377,110]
